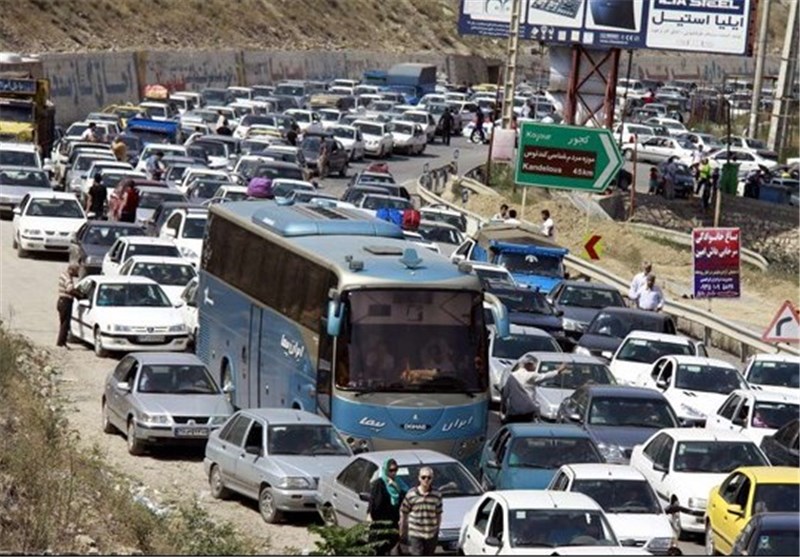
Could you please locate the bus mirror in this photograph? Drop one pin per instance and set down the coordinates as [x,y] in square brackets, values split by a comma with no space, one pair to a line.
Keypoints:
[500,314]
[334,318]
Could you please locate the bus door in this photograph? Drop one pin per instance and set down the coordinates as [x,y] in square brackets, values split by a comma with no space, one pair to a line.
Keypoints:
[253,378]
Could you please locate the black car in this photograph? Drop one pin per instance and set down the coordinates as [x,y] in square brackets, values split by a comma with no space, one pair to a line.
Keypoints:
[338,158]
[606,331]
[617,417]
[94,239]
[781,448]
[580,301]
[769,534]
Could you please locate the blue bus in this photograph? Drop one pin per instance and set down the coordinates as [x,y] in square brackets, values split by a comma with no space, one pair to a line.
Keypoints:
[331,311]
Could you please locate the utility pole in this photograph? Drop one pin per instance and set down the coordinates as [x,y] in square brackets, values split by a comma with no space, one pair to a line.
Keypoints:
[752,127]
[783,92]
[511,62]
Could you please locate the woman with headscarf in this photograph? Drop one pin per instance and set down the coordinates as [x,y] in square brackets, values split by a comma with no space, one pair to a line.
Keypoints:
[386,494]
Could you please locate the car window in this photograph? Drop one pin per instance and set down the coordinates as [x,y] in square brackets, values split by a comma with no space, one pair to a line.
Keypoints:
[235,434]
[482,515]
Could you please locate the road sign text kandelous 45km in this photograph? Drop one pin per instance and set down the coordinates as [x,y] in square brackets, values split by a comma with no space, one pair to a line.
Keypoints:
[566,157]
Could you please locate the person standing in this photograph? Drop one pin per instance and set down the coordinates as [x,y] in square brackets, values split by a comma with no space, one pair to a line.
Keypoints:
[548,225]
[96,198]
[421,515]
[446,124]
[639,280]
[650,297]
[386,494]
[66,295]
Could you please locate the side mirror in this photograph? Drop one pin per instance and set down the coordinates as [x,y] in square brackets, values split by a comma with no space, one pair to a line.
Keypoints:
[736,510]
[124,386]
[492,463]
[364,496]
[493,541]
[253,449]
[658,467]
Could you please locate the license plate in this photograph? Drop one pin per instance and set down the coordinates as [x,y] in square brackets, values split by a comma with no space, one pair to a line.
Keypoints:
[151,339]
[191,432]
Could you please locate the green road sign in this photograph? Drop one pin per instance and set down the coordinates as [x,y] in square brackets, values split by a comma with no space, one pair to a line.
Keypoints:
[567,157]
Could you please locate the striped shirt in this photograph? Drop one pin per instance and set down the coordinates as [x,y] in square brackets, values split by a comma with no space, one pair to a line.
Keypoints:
[423,512]
[65,285]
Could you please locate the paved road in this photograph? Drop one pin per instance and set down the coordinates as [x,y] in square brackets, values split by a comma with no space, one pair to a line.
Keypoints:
[27,304]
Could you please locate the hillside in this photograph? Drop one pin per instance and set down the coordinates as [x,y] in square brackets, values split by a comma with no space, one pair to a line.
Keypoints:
[78,25]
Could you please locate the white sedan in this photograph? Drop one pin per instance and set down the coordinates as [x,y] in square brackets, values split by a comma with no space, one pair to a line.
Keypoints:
[409,137]
[126,314]
[695,387]
[351,139]
[755,414]
[533,522]
[683,464]
[46,221]
[171,273]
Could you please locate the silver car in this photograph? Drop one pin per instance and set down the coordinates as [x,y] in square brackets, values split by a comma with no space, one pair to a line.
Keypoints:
[162,397]
[344,495]
[521,398]
[275,456]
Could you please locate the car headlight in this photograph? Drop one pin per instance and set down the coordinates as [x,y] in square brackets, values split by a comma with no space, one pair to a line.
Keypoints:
[188,253]
[614,454]
[154,419]
[692,412]
[581,350]
[181,328]
[572,324]
[697,503]
[120,328]
[661,544]
[294,482]
[31,232]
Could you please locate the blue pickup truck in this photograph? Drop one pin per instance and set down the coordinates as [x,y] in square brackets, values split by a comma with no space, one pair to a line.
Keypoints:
[532,259]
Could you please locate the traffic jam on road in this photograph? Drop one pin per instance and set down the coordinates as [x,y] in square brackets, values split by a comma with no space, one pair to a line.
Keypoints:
[306,339]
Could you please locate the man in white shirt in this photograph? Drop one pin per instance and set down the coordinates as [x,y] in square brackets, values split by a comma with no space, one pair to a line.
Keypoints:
[639,281]
[548,226]
[650,297]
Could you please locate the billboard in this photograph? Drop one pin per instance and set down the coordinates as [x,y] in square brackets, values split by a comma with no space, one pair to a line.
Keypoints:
[716,262]
[713,26]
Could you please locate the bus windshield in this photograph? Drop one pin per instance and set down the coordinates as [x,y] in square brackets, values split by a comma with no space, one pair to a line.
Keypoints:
[412,341]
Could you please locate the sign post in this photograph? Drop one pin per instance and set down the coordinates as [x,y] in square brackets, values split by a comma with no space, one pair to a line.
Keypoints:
[716,263]
[566,157]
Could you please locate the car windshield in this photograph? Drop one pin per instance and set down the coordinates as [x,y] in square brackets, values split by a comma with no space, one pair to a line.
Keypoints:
[776,498]
[131,295]
[305,439]
[777,542]
[558,528]
[369,129]
[514,346]
[27,178]
[575,375]
[412,341]
[194,228]
[525,301]
[646,351]
[774,415]
[450,479]
[105,235]
[708,379]
[152,199]
[776,374]
[549,453]
[531,264]
[163,250]
[165,274]
[620,496]
[56,208]
[174,379]
[716,457]
[588,297]
[619,325]
[631,412]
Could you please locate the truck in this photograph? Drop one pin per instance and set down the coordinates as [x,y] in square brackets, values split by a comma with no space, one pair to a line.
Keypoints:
[412,80]
[532,259]
[26,113]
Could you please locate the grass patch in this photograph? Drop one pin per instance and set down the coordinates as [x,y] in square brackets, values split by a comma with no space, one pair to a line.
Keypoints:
[57,497]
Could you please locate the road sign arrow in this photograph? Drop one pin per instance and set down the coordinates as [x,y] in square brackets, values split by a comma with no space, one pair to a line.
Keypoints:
[591,247]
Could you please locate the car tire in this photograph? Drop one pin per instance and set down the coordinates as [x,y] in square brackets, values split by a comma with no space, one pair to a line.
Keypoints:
[107,426]
[709,541]
[328,515]
[266,506]
[99,351]
[218,489]
[135,445]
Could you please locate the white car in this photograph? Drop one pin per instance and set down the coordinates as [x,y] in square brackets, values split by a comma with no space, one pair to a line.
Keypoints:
[755,414]
[409,137]
[747,160]
[630,504]
[424,119]
[187,228]
[774,372]
[674,127]
[188,308]
[351,139]
[378,140]
[683,464]
[640,349]
[46,221]
[171,273]
[127,246]
[126,314]
[695,387]
[534,522]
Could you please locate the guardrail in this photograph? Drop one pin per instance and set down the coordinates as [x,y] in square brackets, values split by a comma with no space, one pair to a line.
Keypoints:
[714,330]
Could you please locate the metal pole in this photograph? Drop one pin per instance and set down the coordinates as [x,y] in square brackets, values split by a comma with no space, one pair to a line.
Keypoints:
[752,127]
[511,63]
[783,90]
